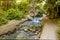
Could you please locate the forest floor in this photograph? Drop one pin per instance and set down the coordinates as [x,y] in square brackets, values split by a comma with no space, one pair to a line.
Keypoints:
[49,29]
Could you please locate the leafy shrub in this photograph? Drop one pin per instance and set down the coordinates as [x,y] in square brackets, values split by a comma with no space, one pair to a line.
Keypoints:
[58,31]
[3,14]
[3,21]
[23,5]
[59,23]
[10,15]
[14,14]
[40,12]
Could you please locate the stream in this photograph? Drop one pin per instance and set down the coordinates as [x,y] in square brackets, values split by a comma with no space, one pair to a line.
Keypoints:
[29,30]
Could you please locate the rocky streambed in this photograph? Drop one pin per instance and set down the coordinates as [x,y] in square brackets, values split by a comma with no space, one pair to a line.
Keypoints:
[27,30]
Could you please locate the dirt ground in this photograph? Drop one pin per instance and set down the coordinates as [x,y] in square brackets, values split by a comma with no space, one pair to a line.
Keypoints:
[49,29]
[9,27]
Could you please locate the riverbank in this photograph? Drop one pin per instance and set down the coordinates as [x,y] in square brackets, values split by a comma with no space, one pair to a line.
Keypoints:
[31,28]
[12,25]
[9,27]
[49,29]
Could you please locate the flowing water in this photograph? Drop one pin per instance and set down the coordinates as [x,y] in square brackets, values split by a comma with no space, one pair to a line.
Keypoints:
[29,30]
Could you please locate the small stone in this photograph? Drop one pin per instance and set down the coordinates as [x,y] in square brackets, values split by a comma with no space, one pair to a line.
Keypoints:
[25,29]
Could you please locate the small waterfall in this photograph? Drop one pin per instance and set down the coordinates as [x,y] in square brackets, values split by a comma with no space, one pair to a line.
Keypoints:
[36,19]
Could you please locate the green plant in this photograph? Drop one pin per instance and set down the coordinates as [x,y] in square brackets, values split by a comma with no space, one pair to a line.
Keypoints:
[14,14]
[3,21]
[23,5]
[58,31]
[41,11]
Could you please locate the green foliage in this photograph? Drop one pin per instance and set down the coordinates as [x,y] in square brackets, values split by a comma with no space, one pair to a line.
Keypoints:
[3,14]
[23,5]
[51,3]
[3,21]
[40,12]
[14,14]
[10,14]
[12,10]
[6,4]
[59,23]
[58,31]
[51,7]
[39,1]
